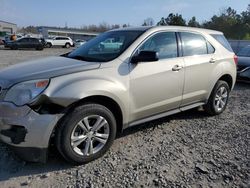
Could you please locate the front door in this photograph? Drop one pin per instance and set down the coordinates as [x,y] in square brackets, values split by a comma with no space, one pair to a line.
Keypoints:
[157,87]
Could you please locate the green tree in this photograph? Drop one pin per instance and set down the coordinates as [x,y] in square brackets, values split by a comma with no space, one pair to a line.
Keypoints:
[229,22]
[246,23]
[148,22]
[172,19]
[193,22]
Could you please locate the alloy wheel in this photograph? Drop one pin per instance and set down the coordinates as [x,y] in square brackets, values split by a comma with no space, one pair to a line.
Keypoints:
[90,135]
[221,98]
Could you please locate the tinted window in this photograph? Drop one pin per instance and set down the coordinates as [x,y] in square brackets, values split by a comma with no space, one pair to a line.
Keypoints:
[24,40]
[163,43]
[99,50]
[33,40]
[223,41]
[193,44]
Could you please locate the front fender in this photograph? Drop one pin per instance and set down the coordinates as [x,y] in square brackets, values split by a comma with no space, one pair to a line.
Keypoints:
[65,93]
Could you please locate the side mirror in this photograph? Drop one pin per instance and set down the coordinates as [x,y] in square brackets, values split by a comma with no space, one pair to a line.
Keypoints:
[145,56]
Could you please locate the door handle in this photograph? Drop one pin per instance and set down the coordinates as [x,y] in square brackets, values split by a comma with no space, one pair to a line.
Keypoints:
[177,68]
[212,60]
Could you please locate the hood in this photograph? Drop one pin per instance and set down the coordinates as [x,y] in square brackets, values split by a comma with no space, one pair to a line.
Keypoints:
[43,69]
[244,61]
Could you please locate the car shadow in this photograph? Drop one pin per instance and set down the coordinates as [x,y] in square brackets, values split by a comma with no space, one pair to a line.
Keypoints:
[241,86]
[11,166]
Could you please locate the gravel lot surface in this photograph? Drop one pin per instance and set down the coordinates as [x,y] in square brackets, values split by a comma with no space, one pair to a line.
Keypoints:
[189,149]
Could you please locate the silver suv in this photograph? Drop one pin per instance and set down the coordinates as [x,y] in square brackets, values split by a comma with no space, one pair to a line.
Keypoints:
[82,99]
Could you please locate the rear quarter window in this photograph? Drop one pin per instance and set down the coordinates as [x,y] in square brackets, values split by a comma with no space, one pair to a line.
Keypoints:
[223,41]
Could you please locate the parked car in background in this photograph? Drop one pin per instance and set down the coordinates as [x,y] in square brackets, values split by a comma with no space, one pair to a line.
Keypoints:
[82,99]
[26,42]
[79,42]
[66,42]
[111,44]
[243,68]
[1,42]
[43,41]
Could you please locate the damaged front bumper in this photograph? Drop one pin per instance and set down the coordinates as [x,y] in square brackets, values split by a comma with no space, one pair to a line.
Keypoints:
[26,131]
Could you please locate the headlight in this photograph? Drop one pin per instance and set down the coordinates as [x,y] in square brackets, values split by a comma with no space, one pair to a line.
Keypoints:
[25,92]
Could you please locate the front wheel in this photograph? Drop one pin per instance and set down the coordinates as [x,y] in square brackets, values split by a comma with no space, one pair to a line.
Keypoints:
[218,99]
[86,133]
[48,45]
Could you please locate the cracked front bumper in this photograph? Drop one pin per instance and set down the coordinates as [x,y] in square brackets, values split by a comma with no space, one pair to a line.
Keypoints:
[26,131]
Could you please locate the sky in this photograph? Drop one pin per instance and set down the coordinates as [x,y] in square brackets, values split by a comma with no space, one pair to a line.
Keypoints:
[77,13]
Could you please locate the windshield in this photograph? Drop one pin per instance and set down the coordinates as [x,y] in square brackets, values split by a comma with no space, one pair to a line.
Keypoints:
[106,46]
[245,52]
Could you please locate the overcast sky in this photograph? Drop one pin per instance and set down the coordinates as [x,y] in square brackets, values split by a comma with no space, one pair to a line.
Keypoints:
[77,13]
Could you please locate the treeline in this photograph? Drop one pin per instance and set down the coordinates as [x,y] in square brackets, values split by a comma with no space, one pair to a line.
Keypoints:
[232,24]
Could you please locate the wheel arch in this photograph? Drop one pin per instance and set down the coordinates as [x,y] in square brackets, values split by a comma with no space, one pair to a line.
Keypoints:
[227,78]
[108,102]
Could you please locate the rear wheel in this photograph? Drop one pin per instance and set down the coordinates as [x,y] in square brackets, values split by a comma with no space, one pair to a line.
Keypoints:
[218,99]
[14,48]
[86,133]
[67,45]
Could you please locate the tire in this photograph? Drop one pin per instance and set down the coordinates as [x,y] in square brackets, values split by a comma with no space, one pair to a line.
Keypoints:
[49,45]
[218,99]
[14,48]
[67,45]
[39,48]
[74,138]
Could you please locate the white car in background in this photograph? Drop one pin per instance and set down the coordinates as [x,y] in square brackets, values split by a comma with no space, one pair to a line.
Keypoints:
[66,42]
[79,42]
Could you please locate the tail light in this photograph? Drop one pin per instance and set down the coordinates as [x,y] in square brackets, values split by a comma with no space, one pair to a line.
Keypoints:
[236,59]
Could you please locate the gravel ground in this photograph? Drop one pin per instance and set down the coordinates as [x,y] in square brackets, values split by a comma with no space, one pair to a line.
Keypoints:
[189,149]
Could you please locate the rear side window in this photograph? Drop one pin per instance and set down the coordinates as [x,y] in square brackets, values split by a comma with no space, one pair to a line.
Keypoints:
[193,44]
[223,41]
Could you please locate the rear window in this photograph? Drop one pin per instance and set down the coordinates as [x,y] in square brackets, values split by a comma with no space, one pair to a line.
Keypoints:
[223,41]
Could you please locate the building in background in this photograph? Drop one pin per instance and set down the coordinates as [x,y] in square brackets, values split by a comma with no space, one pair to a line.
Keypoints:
[7,27]
[48,32]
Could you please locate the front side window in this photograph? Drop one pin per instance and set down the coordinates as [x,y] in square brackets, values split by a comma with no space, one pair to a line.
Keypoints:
[24,40]
[163,43]
[193,44]
[106,46]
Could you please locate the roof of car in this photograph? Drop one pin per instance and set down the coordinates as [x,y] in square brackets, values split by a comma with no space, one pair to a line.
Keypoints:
[177,28]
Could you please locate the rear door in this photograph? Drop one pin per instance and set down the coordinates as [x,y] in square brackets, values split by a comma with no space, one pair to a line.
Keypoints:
[156,87]
[200,60]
